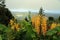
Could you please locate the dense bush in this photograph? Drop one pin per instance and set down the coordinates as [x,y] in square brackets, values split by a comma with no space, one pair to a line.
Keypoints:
[5,15]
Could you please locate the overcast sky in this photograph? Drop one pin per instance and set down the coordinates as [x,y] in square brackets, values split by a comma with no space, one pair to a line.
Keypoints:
[33,4]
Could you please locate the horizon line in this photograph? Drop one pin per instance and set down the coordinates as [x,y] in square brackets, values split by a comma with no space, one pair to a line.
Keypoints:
[32,10]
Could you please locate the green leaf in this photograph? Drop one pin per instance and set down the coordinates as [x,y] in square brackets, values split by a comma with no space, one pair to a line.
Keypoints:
[0,37]
[57,28]
[54,37]
[51,32]
[2,27]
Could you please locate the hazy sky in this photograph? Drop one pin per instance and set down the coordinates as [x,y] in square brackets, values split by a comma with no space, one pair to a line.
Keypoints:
[33,4]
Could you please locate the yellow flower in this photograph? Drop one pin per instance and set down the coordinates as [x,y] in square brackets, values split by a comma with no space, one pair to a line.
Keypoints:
[17,27]
[44,25]
[40,23]
[12,27]
[11,22]
[53,25]
[36,23]
[33,20]
[58,24]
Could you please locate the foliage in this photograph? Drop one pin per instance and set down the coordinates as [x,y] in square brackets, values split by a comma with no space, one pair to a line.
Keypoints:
[5,15]
[36,28]
[51,19]
[54,33]
[26,32]
[30,32]
[58,19]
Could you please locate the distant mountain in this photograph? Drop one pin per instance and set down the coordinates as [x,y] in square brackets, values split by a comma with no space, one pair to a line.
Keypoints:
[21,14]
[52,14]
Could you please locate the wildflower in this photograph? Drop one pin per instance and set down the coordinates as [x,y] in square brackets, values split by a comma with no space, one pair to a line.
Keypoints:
[44,25]
[36,23]
[53,25]
[11,22]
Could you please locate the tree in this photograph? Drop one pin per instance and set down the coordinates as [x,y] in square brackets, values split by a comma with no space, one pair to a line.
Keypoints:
[41,10]
[51,19]
[5,14]
[59,19]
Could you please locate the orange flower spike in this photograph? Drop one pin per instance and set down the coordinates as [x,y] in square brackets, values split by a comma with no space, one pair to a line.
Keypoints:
[33,20]
[44,29]
[37,24]
[44,25]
